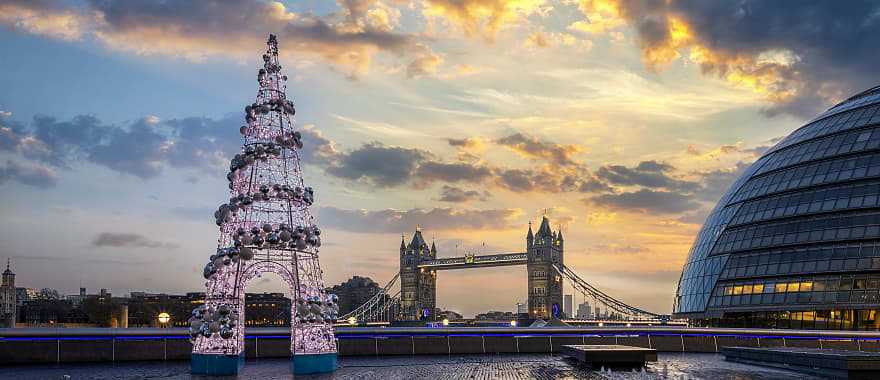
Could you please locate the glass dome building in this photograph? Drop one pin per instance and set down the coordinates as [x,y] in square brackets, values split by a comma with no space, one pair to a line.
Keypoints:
[795,241]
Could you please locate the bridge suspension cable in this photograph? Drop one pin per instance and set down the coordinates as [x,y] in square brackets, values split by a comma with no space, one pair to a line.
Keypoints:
[378,307]
[600,297]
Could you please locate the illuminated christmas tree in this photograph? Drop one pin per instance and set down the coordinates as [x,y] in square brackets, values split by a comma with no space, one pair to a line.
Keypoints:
[266,226]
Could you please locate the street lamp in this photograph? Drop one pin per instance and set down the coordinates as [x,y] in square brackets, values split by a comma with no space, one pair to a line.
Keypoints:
[445,322]
[512,323]
[352,321]
[164,318]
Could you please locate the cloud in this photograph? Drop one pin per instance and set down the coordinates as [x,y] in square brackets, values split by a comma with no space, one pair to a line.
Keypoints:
[802,57]
[317,149]
[482,17]
[541,40]
[455,194]
[617,249]
[120,240]
[139,150]
[32,175]
[533,148]
[716,182]
[142,148]
[198,30]
[43,18]
[650,174]
[474,143]
[378,164]
[646,201]
[759,150]
[430,171]
[397,221]
[86,260]
[426,63]
[145,147]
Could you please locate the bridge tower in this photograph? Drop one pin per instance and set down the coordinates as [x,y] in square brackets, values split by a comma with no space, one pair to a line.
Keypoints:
[545,284]
[418,287]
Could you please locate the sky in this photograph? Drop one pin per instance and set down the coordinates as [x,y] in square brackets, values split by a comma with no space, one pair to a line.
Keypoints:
[622,121]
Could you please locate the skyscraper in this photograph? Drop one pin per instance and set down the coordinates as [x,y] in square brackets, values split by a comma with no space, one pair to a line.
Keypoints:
[584,311]
[567,301]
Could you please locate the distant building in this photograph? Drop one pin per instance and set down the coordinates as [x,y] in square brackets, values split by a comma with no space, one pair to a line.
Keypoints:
[76,300]
[354,293]
[8,304]
[522,308]
[23,295]
[267,310]
[567,301]
[583,311]
[496,316]
[450,315]
[144,308]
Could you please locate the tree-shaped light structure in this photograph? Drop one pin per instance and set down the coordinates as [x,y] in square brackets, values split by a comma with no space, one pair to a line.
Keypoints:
[266,226]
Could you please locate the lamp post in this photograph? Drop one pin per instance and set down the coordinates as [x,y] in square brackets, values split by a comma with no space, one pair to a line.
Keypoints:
[163,318]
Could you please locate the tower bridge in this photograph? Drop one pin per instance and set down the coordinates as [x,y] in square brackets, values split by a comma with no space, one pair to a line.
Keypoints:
[545,270]
[419,266]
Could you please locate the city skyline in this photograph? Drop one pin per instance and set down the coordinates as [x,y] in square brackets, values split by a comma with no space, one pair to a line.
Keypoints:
[625,123]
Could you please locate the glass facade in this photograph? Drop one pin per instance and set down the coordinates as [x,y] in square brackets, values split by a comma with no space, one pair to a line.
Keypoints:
[795,241]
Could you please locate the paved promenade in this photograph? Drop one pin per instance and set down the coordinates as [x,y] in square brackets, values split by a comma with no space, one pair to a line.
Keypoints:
[475,367]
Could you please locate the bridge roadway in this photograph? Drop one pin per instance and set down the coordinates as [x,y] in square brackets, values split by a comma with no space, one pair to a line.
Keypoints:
[63,345]
[474,261]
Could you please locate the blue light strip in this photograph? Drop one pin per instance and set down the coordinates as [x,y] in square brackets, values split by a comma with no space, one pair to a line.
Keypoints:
[436,335]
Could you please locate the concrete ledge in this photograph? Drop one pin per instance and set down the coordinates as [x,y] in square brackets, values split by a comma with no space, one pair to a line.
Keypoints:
[402,345]
[612,354]
[824,362]
[357,347]
[501,344]
[466,345]
[431,345]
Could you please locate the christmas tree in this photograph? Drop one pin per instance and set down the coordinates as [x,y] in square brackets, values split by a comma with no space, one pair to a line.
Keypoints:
[266,226]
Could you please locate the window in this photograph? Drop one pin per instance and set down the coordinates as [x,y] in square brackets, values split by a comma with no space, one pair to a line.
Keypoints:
[806,286]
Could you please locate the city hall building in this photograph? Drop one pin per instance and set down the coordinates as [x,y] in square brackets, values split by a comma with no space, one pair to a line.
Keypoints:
[795,241]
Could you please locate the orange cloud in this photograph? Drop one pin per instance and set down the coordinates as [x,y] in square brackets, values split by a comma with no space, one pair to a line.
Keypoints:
[481,17]
[199,30]
[54,22]
[667,36]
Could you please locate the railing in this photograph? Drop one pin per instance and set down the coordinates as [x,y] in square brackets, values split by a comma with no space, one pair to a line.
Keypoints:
[60,345]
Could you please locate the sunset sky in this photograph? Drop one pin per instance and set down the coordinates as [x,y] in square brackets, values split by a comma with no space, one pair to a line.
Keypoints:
[624,121]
